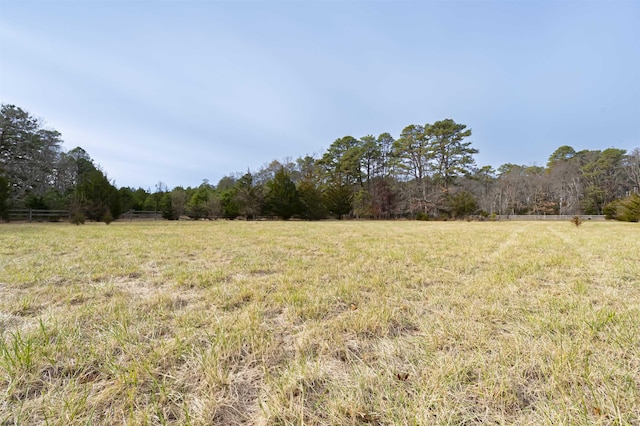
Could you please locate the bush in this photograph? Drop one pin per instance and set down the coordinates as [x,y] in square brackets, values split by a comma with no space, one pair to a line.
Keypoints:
[626,210]
[629,209]
[422,216]
[107,217]
[611,210]
[77,218]
[462,204]
[36,203]
[576,220]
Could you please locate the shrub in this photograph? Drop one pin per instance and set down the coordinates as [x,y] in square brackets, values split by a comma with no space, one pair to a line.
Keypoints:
[611,210]
[462,204]
[107,217]
[576,220]
[77,218]
[626,209]
[629,209]
[422,216]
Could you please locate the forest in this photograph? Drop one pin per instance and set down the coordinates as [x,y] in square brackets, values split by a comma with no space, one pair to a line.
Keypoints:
[427,172]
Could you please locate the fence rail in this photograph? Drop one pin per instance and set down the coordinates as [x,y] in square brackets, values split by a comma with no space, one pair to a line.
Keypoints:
[141,214]
[34,214]
[548,217]
[30,215]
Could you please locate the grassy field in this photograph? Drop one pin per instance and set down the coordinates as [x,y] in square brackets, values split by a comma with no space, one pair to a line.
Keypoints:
[320,323]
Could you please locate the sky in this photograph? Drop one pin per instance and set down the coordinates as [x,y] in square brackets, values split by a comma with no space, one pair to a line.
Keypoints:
[180,91]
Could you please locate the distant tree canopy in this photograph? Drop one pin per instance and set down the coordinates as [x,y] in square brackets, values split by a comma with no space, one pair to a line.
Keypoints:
[429,171]
[36,173]
[29,154]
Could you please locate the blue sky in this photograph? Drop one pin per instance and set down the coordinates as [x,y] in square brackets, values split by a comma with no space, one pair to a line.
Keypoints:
[181,91]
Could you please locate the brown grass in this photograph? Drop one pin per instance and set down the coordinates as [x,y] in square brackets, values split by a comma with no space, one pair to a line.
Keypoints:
[320,323]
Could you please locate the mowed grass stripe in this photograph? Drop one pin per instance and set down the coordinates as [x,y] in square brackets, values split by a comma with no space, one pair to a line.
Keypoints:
[320,323]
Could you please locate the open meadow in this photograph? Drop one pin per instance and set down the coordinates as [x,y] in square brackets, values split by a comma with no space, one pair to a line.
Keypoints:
[292,323]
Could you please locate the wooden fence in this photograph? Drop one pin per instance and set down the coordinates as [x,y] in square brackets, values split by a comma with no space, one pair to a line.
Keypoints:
[548,217]
[141,214]
[39,215]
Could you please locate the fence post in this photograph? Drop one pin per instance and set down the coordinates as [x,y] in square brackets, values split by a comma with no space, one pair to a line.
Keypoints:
[30,216]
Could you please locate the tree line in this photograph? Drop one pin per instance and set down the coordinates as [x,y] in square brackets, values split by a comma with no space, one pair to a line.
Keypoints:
[428,171]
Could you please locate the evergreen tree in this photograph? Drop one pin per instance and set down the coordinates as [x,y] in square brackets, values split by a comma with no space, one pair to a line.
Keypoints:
[94,195]
[452,154]
[282,196]
[4,197]
[339,199]
[311,201]
[249,197]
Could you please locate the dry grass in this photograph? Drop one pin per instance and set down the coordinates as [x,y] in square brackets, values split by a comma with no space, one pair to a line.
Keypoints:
[320,323]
